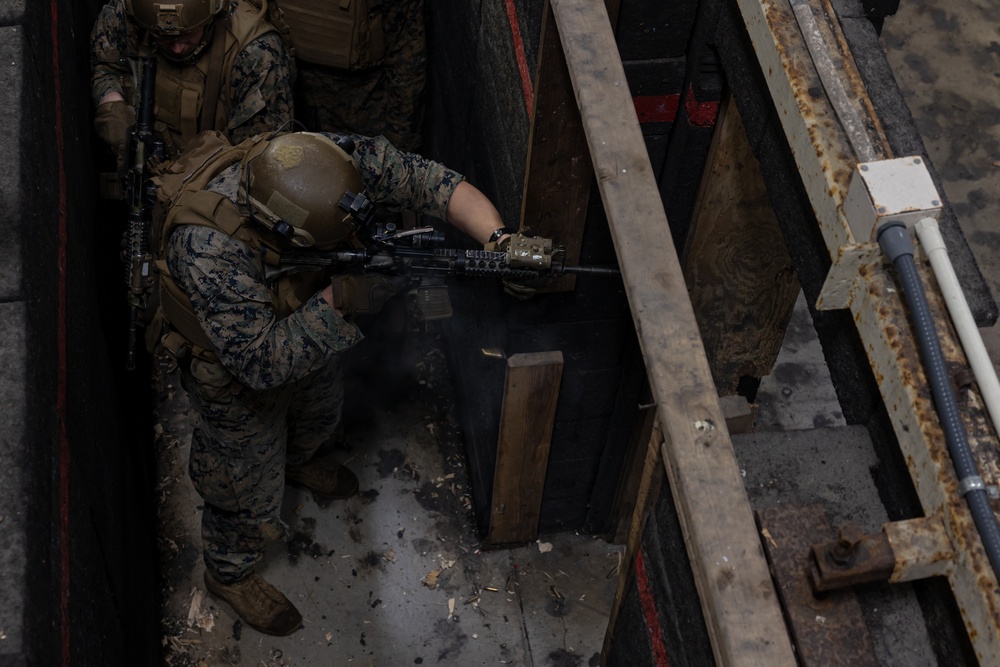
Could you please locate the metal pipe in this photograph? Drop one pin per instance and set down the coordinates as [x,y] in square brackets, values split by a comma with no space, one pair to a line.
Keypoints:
[895,242]
[933,244]
[829,76]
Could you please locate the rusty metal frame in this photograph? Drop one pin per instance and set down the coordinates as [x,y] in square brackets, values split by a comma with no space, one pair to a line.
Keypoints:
[858,280]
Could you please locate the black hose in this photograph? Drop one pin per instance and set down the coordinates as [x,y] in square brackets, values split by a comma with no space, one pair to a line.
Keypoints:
[895,242]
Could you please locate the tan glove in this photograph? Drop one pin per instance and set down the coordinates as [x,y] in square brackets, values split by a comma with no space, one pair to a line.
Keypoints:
[112,122]
[364,295]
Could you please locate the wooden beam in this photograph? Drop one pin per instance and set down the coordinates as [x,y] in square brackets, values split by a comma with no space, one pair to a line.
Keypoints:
[526,419]
[645,498]
[558,175]
[738,599]
[635,471]
[740,277]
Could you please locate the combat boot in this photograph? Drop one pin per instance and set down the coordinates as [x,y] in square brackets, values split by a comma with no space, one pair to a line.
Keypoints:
[324,477]
[259,604]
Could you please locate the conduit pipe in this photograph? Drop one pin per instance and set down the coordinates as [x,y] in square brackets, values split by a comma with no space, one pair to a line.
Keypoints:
[894,240]
[932,242]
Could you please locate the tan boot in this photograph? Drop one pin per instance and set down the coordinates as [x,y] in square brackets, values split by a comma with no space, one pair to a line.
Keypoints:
[259,604]
[324,477]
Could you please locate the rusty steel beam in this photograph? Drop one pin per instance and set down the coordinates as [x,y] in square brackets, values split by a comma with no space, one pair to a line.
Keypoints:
[902,551]
[860,281]
[921,548]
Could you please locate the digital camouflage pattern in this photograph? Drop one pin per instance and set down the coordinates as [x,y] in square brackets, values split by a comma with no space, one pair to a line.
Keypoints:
[238,456]
[386,100]
[261,79]
[277,381]
[401,180]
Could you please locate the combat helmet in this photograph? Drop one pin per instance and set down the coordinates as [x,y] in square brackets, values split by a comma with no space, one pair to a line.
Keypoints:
[174,17]
[295,185]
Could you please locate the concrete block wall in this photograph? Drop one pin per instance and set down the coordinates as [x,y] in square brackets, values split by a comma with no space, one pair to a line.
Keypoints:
[77,555]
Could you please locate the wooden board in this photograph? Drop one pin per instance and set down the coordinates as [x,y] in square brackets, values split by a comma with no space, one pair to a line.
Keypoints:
[526,419]
[646,492]
[741,280]
[737,596]
[558,175]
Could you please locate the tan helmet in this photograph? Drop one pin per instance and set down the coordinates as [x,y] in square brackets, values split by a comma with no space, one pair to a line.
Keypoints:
[174,17]
[296,183]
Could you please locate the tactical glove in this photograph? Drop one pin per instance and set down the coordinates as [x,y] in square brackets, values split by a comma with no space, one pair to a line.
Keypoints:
[112,123]
[364,295]
[528,252]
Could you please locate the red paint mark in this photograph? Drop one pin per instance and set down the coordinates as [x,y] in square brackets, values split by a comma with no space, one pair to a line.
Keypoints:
[656,108]
[649,611]
[701,114]
[61,336]
[522,61]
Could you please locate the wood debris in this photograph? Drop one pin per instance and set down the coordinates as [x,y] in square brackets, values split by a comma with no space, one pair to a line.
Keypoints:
[203,619]
[430,579]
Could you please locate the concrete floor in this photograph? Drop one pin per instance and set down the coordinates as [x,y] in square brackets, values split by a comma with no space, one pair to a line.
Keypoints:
[946,59]
[395,576]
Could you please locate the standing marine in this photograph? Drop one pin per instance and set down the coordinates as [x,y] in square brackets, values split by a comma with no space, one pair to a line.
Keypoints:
[220,65]
[261,351]
[362,67]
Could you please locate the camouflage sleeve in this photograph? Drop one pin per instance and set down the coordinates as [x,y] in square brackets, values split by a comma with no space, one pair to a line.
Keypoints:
[404,180]
[221,275]
[108,48]
[263,75]
[405,71]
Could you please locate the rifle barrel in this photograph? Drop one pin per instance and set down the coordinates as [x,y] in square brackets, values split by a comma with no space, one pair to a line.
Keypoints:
[593,270]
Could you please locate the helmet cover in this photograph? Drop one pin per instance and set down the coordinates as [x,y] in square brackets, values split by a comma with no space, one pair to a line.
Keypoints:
[295,184]
[173,18]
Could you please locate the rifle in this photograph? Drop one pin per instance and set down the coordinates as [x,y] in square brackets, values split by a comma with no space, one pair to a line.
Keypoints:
[417,252]
[140,193]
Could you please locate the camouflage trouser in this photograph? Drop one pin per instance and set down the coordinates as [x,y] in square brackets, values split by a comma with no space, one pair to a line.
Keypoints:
[241,444]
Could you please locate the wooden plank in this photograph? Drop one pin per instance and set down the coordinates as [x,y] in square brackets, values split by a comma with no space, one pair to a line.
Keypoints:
[526,419]
[558,174]
[735,589]
[739,275]
[645,498]
[739,414]
[630,495]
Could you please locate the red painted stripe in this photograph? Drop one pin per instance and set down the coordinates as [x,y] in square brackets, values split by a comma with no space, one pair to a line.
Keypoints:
[61,337]
[656,108]
[701,114]
[649,611]
[522,60]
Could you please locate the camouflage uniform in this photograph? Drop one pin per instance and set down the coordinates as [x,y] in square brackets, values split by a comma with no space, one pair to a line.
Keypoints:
[385,100]
[275,394]
[259,95]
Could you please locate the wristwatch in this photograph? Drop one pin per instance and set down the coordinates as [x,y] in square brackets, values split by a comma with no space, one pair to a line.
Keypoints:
[497,233]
